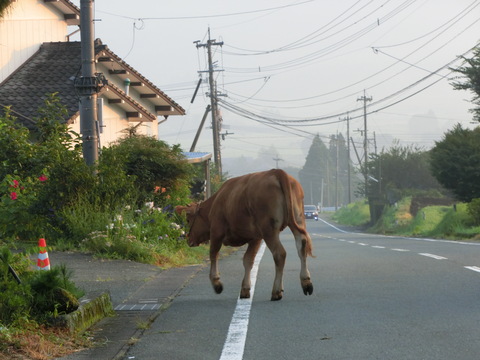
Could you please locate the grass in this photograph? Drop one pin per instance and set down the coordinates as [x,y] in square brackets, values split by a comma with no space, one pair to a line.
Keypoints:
[354,214]
[441,222]
[38,342]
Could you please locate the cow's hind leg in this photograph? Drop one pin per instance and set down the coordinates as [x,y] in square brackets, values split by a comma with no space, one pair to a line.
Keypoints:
[248,260]
[279,256]
[214,275]
[301,242]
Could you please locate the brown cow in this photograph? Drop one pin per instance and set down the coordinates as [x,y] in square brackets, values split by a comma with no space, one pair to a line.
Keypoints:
[246,210]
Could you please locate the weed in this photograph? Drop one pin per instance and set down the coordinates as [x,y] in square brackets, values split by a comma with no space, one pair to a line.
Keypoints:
[444,222]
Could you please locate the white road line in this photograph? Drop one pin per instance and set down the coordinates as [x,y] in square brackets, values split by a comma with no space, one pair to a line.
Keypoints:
[474,268]
[400,250]
[456,242]
[378,247]
[351,242]
[333,226]
[237,332]
[437,257]
[362,244]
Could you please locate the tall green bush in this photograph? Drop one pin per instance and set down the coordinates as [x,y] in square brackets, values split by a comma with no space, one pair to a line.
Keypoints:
[473,209]
[454,162]
[16,151]
[159,171]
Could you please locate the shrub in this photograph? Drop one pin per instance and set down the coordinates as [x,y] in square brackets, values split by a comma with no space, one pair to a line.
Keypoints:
[53,292]
[81,218]
[153,164]
[40,295]
[18,197]
[14,298]
[473,209]
[139,235]
[16,151]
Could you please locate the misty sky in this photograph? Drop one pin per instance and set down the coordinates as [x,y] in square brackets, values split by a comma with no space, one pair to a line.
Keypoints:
[297,67]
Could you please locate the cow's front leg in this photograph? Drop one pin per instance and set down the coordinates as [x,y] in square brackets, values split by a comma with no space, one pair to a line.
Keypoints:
[214,274]
[305,281]
[279,256]
[248,260]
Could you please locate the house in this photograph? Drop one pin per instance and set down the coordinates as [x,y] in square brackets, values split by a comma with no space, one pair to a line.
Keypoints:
[37,58]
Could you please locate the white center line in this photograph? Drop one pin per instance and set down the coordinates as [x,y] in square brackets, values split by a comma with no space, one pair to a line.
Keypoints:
[237,332]
[400,250]
[362,244]
[378,247]
[474,268]
[438,257]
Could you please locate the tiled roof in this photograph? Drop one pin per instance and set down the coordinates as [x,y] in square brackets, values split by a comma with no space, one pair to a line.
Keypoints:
[52,69]
[102,50]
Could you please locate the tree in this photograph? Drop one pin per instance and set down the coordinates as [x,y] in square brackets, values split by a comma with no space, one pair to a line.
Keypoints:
[315,170]
[4,4]
[402,168]
[471,74]
[338,191]
[455,162]
[398,172]
[321,170]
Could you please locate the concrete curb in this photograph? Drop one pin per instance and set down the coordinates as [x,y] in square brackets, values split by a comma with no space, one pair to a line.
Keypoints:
[93,308]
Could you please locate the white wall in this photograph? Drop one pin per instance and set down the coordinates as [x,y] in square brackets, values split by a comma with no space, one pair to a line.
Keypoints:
[114,125]
[24,27]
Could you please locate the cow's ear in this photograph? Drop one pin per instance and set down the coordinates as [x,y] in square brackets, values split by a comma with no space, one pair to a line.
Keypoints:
[179,209]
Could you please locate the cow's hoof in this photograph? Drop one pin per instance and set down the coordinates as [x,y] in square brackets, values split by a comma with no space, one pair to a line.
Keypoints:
[218,287]
[277,296]
[308,289]
[245,294]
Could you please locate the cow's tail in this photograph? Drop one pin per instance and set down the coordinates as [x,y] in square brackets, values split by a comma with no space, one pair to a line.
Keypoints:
[283,178]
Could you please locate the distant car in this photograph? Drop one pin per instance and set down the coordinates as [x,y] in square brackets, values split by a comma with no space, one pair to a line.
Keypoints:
[311,212]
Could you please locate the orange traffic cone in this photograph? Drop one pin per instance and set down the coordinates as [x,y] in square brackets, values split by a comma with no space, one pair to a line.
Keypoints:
[43,263]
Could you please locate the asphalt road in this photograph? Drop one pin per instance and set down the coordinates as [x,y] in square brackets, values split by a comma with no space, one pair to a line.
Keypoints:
[374,297]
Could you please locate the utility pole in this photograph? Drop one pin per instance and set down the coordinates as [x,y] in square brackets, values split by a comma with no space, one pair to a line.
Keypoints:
[348,160]
[216,126]
[277,159]
[87,85]
[336,172]
[321,196]
[364,98]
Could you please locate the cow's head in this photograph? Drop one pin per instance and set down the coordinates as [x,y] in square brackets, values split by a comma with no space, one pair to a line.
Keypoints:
[197,221]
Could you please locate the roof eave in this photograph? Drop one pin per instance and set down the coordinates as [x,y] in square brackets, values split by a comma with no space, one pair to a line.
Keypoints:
[71,11]
[133,110]
[164,105]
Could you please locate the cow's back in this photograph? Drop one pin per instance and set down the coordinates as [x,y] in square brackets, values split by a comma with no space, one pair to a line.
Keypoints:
[253,205]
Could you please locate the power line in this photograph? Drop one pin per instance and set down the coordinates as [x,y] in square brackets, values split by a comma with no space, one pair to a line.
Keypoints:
[206,16]
[316,120]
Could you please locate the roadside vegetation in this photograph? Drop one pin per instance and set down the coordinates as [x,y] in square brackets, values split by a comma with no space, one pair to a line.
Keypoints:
[440,222]
[433,193]
[121,209]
